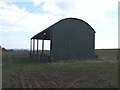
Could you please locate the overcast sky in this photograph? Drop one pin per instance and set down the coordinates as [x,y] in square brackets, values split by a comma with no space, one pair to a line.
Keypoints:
[18,24]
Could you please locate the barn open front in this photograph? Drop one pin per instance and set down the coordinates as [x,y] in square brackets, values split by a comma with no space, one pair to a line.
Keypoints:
[43,57]
[70,39]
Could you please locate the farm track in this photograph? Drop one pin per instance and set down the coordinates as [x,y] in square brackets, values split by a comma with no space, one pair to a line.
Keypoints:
[56,79]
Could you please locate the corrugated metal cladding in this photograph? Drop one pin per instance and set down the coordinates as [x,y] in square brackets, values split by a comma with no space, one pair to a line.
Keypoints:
[72,39]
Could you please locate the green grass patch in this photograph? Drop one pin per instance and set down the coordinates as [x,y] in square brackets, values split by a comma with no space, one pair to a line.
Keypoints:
[103,68]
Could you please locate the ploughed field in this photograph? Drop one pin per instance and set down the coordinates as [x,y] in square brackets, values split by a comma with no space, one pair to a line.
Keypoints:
[25,72]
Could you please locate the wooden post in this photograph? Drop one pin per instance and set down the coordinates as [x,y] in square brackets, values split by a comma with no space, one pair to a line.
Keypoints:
[42,46]
[33,46]
[37,46]
[30,47]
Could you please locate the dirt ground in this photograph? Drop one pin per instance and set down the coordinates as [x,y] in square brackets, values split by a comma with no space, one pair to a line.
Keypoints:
[58,78]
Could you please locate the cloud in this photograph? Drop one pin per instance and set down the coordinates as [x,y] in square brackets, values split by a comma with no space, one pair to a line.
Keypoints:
[17,0]
[12,18]
[37,2]
[83,9]
[16,28]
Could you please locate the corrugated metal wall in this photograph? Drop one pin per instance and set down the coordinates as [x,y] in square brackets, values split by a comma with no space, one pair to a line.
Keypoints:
[72,39]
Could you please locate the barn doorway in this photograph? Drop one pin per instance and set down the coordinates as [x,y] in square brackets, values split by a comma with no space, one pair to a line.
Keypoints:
[40,46]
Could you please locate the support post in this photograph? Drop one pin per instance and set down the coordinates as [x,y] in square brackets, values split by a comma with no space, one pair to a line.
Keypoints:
[37,46]
[42,46]
[33,46]
[30,47]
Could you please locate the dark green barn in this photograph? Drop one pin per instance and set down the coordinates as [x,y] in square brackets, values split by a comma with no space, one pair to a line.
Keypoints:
[70,38]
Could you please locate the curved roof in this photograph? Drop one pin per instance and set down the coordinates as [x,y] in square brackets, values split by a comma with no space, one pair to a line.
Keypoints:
[45,34]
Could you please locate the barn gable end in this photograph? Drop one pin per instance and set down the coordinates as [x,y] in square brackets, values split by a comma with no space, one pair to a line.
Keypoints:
[72,39]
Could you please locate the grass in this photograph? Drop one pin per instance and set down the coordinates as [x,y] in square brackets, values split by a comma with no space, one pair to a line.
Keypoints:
[107,54]
[102,69]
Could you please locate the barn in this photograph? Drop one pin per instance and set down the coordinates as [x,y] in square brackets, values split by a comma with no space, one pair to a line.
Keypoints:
[70,38]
